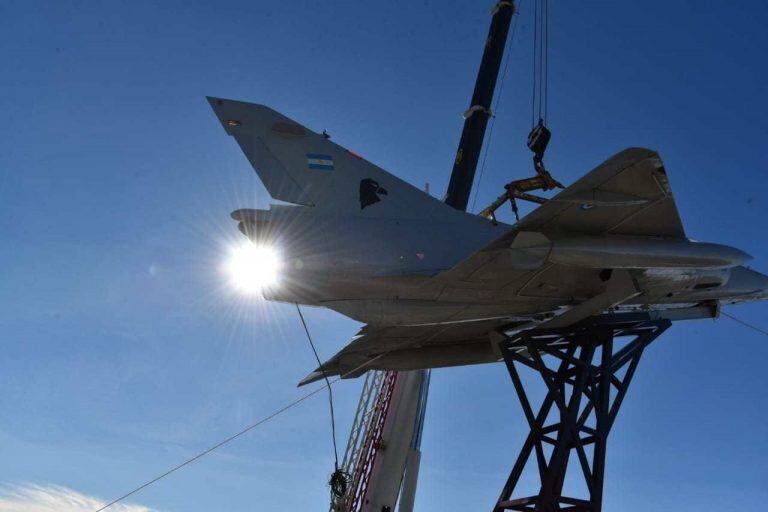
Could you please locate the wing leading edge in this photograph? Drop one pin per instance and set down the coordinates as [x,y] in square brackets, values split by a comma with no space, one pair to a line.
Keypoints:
[415,347]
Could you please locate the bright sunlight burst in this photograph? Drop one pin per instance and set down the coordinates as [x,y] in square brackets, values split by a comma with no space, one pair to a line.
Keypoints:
[252,268]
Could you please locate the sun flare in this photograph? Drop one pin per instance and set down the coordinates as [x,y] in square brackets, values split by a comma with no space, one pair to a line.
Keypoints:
[253,268]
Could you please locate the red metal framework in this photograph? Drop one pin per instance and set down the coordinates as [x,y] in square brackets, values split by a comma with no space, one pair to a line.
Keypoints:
[371,443]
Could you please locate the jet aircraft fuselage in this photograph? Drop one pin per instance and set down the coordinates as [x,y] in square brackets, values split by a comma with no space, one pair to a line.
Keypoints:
[383,271]
[435,285]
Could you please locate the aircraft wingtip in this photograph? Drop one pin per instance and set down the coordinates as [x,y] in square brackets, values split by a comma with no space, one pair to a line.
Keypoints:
[312,377]
[213,100]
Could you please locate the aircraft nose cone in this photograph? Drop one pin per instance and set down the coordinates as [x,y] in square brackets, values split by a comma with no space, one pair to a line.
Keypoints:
[742,257]
[764,295]
[761,281]
[748,282]
[731,255]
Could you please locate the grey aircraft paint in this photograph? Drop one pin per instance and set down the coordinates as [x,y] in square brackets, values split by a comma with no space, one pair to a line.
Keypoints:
[434,284]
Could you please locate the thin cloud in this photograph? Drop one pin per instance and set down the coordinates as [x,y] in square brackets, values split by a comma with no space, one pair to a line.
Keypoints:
[54,498]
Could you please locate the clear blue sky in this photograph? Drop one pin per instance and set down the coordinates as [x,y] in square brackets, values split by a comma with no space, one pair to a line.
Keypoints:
[123,350]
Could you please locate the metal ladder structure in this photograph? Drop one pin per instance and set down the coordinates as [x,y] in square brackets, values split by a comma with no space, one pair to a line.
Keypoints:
[365,437]
[383,453]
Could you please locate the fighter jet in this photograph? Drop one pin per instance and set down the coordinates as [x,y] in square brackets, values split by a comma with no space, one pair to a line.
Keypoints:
[437,286]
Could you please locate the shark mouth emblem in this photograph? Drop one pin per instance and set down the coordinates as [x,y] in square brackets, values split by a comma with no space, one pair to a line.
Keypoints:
[370,192]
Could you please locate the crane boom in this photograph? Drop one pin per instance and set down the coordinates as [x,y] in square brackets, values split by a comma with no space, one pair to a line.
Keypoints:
[476,117]
[383,453]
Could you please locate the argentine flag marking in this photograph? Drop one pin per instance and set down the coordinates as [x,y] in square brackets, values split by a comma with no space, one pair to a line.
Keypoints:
[321,162]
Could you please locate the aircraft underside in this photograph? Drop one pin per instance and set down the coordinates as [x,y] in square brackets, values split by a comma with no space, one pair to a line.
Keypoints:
[654,290]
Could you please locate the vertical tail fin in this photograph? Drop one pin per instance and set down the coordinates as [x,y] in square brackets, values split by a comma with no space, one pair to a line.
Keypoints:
[302,167]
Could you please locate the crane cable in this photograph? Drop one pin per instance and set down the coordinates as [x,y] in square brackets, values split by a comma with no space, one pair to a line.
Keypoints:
[540,61]
[212,448]
[327,384]
[339,480]
[744,323]
[234,436]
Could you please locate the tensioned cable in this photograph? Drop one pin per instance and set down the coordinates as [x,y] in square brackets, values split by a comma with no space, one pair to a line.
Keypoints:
[236,435]
[328,385]
[540,62]
[745,324]
[534,60]
[540,85]
[546,59]
[212,448]
[496,107]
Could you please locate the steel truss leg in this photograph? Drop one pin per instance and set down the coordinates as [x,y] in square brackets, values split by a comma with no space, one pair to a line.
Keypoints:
[587,373]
